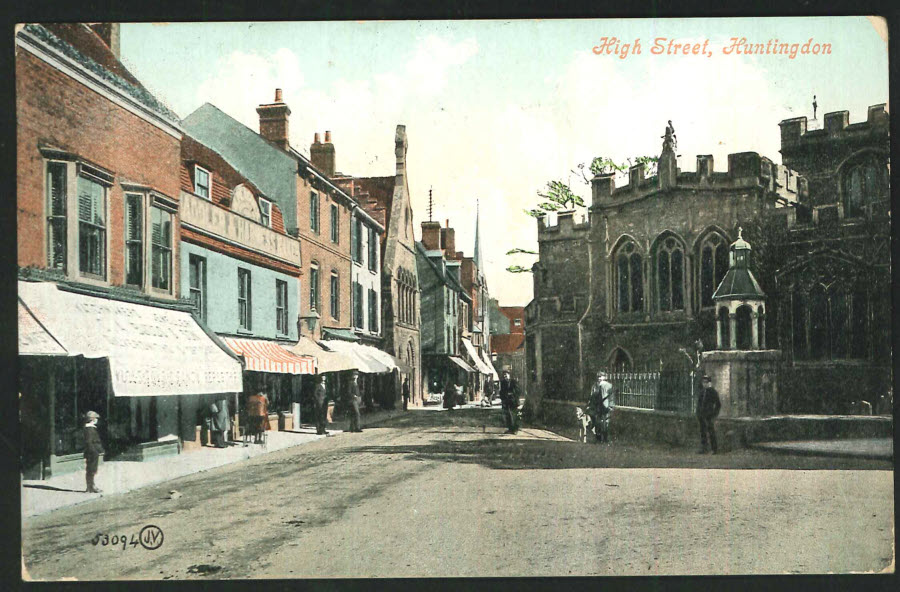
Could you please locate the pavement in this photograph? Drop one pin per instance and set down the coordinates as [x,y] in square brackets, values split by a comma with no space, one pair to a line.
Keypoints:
[872,448]
[117,477]
[448,493]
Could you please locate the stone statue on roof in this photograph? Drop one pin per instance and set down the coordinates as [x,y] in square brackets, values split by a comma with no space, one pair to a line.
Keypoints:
[670,141]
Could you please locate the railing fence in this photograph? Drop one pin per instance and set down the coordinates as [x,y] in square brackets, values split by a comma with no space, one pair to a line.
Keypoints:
[664,391]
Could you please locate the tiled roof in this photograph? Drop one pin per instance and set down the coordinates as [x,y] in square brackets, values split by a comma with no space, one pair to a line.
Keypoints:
[79,43]
[507,344]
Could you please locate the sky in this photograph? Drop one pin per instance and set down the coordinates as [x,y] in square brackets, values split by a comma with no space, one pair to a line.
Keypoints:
[496,109]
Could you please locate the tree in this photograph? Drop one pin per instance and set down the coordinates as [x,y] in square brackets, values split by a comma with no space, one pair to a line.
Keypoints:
[558,195]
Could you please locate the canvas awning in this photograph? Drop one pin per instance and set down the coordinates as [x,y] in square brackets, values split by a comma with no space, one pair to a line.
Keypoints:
[326,361]
[34,340]
[261,355]
[369,359]
[474,357]
[487,360]
[459,362]
[152,350]
[337,333]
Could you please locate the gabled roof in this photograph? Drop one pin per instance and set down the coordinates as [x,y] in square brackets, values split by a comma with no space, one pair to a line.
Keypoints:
[444,277]
[269,168]
[79,43]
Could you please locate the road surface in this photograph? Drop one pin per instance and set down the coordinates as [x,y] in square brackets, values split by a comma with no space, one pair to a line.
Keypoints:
[446,493]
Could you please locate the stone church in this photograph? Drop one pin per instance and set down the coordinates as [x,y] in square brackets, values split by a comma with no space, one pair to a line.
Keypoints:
[627,287]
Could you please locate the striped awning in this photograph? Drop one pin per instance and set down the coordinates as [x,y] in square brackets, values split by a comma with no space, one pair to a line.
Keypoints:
[267,356]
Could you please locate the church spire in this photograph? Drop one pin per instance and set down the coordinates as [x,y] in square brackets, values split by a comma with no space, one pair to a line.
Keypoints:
[478,262]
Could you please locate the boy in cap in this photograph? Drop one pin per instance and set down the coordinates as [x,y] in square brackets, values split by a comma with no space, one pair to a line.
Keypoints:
[93,448]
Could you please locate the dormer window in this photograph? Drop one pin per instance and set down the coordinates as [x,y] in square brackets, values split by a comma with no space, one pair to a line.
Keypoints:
[202,182]
[265,212]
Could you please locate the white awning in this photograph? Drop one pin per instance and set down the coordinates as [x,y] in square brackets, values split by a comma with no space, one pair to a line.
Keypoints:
[326,361]
[364,360]
[152,350]
[34,340]
[474,357]
[461,363]
[487,360]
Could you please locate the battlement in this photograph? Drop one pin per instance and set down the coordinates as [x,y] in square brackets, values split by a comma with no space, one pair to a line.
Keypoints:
[745,170]
[837,124]
[566,227]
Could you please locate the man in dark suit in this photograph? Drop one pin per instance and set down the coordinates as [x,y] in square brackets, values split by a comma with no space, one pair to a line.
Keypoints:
[353,401]
[509,400]
[708,406]
[321,398]
[406,394]
[93,448]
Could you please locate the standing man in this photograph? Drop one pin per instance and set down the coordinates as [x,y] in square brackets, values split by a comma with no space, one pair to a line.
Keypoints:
[93,448]
[321,398]
[509,399]
[708,406]
[221,422]
[406,394]
[598,407]
[353,401]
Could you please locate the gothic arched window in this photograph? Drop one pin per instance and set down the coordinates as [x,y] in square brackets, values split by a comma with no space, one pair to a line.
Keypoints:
[629,279]
[865,183]
[713,266]
[670,274]
[743,327]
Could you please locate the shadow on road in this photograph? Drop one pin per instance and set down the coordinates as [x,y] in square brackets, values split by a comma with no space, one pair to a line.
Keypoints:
[532,449]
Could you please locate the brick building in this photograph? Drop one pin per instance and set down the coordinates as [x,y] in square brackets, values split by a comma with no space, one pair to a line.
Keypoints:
[656,251]
[387,200]
[101,326]
[508,345]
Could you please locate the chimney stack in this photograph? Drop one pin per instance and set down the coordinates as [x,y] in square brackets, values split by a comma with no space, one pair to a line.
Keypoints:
[273,122]
[431,235]
[322,155]
[448,241]
[109,33]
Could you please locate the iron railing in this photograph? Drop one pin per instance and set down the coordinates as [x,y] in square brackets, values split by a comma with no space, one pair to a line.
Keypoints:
[663,391]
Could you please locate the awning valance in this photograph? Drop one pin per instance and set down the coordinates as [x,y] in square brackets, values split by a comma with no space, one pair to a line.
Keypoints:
[326,361]
[474,358]
[459,362]
[34,340]
[152,350]
[331,333]
[369,359]
[261,355]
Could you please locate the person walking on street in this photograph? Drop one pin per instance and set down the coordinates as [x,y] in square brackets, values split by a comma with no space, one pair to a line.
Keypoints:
[353,401]
[708,406]
[599,407]
[449,395]
[405,391]
[321,399]
[509,400]
[93,448]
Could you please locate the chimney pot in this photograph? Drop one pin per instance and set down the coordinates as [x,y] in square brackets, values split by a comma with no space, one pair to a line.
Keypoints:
[327,137]
[278,98]
[316,138]
[447,223]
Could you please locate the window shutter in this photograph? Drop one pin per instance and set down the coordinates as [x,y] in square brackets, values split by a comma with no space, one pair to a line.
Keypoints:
[353,245]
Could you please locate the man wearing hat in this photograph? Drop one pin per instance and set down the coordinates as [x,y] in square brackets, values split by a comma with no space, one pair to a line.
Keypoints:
[509,400]
[708,406]
[598,407]
[353,401]
[321,398]
[93,448]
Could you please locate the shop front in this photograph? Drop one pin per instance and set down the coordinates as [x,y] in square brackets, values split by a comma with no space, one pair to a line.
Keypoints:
[147,368]
[379,373]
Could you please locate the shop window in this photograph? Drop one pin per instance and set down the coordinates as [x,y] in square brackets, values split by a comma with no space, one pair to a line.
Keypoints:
[134,239]
[161,251]
[91,227]
[281,307]
[244,299]
[56,215]
[629,279]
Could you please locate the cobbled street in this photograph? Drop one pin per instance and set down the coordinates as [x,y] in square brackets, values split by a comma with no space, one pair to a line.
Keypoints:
[437,493]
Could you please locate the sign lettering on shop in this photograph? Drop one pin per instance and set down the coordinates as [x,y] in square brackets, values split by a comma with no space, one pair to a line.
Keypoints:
[202,214]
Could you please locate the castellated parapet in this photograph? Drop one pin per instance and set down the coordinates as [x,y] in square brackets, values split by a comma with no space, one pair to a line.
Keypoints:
[836,125]
[746,170]
[566,227]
